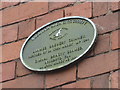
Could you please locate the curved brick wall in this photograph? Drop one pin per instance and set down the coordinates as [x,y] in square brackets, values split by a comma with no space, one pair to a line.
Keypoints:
[99,69]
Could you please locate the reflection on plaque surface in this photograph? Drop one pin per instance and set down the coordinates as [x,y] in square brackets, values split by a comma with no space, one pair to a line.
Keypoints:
[58,43]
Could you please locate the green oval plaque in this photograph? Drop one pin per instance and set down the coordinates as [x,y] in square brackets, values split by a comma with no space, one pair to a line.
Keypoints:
[58,43]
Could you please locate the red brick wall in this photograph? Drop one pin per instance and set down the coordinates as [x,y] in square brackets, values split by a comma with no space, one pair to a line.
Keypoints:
[100,68]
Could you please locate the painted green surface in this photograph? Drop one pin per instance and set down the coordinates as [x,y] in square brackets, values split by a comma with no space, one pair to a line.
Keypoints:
[58,44]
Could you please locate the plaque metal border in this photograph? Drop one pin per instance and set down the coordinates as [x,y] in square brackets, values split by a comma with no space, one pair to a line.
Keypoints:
[61,19]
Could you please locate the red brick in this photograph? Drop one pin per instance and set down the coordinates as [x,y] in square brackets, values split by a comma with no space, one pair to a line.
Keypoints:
[91,52]
[0,18]
[60,77]
[1,36]
[32,9]
[7,4]
[0,74]
[106,23]
[48,18]
[8,71]
[101,81]
[31,81]
[9,33]
[10,15]
[115,79]
[98,64]
[103,44]
[56,5]
[82,9]
[24,11]
[26,28]
[100,8]
[79,84]
[114,5]
[0,53]
[21,70]
[11,51]
[115,39]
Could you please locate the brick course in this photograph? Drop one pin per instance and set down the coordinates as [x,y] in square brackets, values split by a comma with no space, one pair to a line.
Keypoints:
[60,77]
[101,81]
[79,84]
[103,44]
[9,33]
[22,12]
[8,71]
[100,8]
[56,5]
[98,64]
[115,79]
[26,28]
[30,81]
[98,69]
[11,51]
[106,23]
[7,4]
[42,20]
[8,14]
[84,10]
[115,40]
[114,5]
[21,70]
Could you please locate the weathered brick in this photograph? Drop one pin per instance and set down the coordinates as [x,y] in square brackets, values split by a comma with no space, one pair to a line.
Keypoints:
[24,11]
[106,23]
[79,84]
[56,5]
[21,70]
[8,71]
[31,81]
[26,28]
[101,81]
[9,33]
[115,79]
[103,44]
[60,77]
[114,5]
[11,51]
[82,9]
[100,8]
[48,18]
[98,64]
[115,39]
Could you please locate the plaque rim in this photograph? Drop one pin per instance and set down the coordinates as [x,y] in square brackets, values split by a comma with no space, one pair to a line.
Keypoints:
[45,25]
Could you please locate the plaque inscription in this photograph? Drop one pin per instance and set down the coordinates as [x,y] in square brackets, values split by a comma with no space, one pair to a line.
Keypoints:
[58,43]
